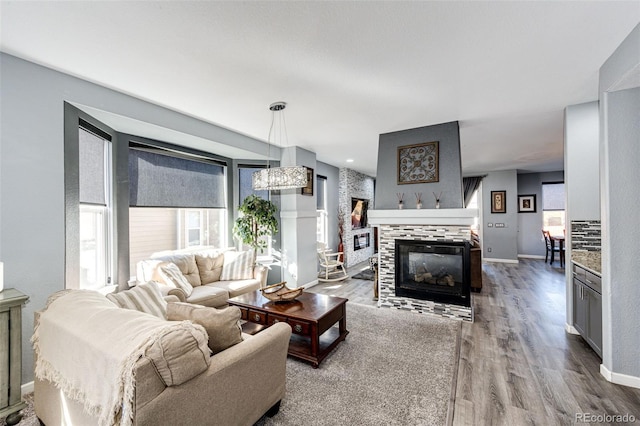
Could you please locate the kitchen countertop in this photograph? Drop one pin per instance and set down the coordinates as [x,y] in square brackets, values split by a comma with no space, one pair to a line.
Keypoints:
[591,260]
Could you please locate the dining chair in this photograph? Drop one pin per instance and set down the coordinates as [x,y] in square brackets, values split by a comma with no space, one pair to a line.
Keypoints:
[547,242]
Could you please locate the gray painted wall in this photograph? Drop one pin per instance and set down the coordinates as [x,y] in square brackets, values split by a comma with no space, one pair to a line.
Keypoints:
[32,219]
[333,177]
[500,243]
[530,241]
[582,161]
[619,159]
[450,171]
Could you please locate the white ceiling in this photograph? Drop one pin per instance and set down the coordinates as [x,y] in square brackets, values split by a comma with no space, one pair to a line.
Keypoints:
[348,70]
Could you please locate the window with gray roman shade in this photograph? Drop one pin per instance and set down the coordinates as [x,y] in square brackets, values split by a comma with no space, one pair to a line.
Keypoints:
[158,179]
[92,154]
[553,196]
[320,192]
[245,183]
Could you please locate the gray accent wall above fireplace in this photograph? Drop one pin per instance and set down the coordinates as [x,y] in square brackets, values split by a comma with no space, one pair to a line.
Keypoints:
[450,170]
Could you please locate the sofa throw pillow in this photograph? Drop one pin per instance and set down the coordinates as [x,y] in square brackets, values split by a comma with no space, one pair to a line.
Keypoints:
[180,353]
[143,297]
[186,262]
[238,265]
[222,325]
[210,267]
[172,276]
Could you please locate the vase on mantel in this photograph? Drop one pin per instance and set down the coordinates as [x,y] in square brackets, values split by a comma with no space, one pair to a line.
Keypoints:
[400,205]
[419,206]
[437,204]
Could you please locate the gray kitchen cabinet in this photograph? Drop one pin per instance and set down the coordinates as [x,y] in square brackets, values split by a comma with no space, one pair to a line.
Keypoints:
[587,306]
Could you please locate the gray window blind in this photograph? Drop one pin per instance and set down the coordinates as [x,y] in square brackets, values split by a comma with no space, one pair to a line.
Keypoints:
[553,196]
[245,182]
[320,192]
[159,180]
[91,168]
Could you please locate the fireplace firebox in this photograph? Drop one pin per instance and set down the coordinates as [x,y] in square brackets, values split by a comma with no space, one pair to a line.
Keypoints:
[433,270]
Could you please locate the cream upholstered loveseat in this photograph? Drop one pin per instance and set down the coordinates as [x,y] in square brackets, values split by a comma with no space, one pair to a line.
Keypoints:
[215,274]
[170,377]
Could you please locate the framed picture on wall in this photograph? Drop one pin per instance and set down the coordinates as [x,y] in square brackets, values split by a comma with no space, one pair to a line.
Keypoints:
[308,190]
[527,203]
[498,201]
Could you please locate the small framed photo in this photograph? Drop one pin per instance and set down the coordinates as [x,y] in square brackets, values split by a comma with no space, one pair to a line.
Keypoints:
[308,190]
[527,203]
[498,201]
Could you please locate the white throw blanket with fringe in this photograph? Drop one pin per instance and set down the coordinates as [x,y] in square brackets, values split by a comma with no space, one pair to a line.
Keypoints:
[88,347]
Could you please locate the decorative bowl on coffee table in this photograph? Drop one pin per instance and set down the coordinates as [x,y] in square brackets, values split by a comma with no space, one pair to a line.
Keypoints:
[280,292]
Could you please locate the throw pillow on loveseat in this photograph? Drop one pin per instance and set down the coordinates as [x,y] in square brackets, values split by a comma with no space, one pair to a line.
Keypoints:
[171,274]
[143,297]
[222,325]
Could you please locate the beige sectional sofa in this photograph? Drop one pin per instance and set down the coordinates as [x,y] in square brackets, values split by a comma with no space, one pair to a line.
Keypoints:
[203,267]
[176,381]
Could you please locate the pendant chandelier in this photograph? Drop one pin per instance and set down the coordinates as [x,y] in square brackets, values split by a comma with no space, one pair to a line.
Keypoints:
[276,178]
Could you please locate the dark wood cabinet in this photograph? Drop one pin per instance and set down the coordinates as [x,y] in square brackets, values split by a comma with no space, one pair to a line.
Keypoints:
[587,307]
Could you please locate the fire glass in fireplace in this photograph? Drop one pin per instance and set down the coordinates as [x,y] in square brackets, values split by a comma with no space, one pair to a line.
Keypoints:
[433,270]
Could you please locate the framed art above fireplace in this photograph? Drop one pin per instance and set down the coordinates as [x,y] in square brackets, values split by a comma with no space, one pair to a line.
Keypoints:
[418,163]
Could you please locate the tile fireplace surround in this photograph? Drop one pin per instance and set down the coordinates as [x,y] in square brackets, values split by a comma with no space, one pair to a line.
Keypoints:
[427,224]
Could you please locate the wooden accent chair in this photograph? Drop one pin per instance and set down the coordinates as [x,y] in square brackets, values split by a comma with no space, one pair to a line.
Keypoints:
[331,268]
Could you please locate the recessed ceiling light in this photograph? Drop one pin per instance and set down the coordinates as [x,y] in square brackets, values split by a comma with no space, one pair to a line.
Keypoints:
[349,160]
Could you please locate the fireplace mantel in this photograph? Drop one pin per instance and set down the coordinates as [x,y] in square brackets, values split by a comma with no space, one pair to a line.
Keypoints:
[457,217]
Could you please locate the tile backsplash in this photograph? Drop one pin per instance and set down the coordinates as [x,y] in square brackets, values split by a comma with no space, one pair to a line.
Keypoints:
[585,235]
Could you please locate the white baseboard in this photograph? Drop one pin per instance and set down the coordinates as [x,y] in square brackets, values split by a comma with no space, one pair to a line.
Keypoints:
[489,259]
[26,388]
[571,329]
[311,284]
[620,379]
[530,256]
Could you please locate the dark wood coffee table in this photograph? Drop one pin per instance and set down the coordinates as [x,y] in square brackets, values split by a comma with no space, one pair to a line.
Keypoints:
[312,318]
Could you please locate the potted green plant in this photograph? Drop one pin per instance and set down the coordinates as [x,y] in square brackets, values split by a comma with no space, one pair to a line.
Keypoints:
[258,219]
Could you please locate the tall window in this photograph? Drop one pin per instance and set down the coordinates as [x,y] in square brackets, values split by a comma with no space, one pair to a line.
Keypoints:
[94,170]
[176,201]
[245,185]
[473,204]
[553,208]
[322,227]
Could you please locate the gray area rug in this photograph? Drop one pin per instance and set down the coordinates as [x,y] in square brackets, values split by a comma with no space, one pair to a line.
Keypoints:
[394,368]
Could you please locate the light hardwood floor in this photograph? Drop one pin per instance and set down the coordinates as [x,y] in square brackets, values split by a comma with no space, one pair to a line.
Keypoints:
[517,364]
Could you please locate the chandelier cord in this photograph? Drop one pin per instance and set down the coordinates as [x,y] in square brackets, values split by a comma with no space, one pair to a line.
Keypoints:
[269,140]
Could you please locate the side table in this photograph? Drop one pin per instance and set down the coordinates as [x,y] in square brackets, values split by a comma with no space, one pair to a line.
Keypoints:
[11,301]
